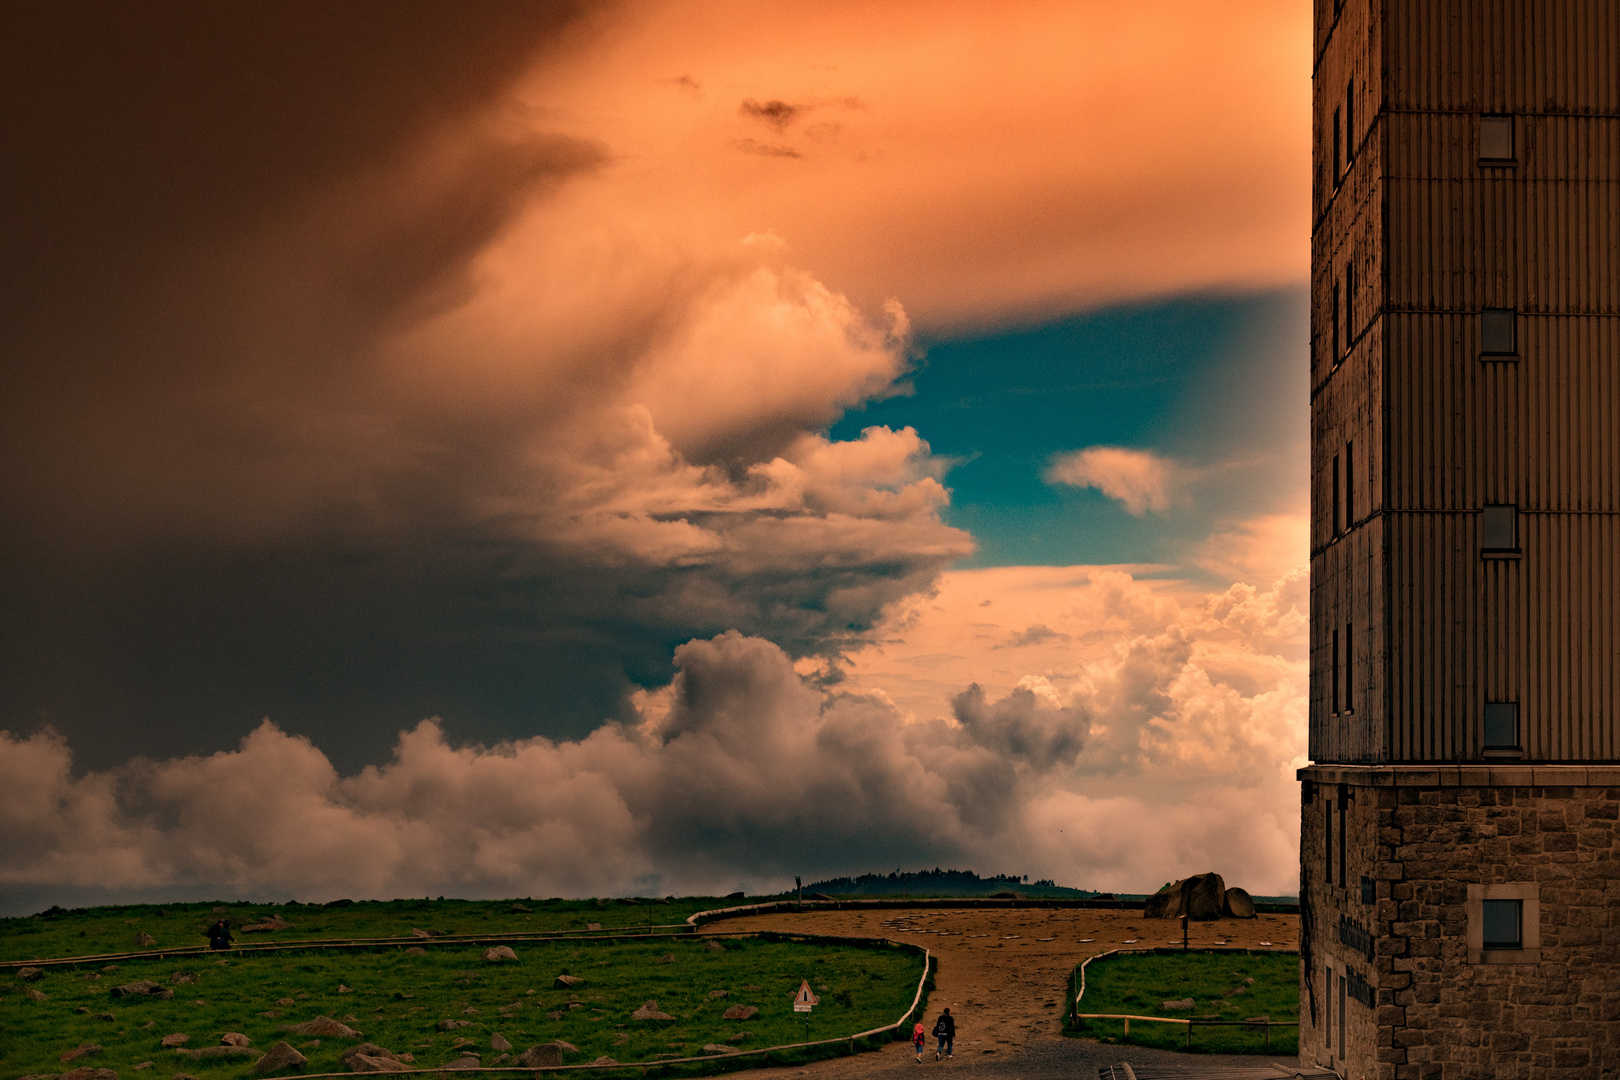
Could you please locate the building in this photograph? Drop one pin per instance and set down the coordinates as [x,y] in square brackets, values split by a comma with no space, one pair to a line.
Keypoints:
[1460,881]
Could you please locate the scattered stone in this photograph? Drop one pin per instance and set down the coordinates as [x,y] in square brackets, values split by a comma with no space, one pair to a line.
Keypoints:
[83,1009]
[221,1052]
[569,982]
[718,994]
[143,988]
[499,953]
[234,1038]
[741,1036]
[184,1076]
[344,989]
[465,1063]
[519,909]
[740,1012]
[667,958]
[508,1010]
[416,950]
[265,925]
[37,995]
[285,1001]
[278,1057]
[605,1060]
[1235,991]
[567,1047]
[714,946]
[716,1048]
[84,1049]
[469,1011]
[498,1060]
[451,1025]
[105,1016]
[322,1025]
[540,1056]
[180,978]
[142,940]
[91,976]
[142,1065]
[371,1051]
[88,1072]
[554,1015]
[1182,1005]
[30,974]
[372,1063]
[419,933]
[179,1038]
[498,1043]
[1237,904]
[649,1011]
[109,969]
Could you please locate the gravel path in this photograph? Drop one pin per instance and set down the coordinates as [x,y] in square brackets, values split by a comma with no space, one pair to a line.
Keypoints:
[1004,974]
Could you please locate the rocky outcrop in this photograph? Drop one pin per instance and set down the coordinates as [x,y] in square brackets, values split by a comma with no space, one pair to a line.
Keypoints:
[1202,897]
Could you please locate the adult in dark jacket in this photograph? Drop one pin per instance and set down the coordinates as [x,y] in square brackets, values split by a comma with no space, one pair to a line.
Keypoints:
[219,935]
[945,1032]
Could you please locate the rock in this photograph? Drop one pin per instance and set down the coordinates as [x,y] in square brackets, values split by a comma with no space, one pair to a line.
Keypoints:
[593,926]
[464,1063]
[84,1049]
[86,1072]
[105,1016]
[264,926]
[234,1038]
[279,1057]
[519,909]
[184,1076]
[344,989]
[1257,1019]
[451,1025]
[649,1011]
[470,1010]
[498,1060]
[716,1048]
[30,974]
[499,953]
[718,993]
[322,1025]
[714,946]
[1183,1005]
[1237,904]
[741,1036]
[221,1052]
[179,1038]
[567,1047]
[605,1060]
[416,950]
[1198,897]
[143,988]
[540,1056]
[369,1048]
[667,958]
[143,939]
[373,1063]
[740,1012]
[554,1015]
[419,933]
[37,995]
[569,982]
[735,896]
[182,977]
[498,1043]
[142,1065]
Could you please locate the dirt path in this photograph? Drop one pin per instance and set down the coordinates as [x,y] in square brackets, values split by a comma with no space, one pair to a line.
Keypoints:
[1004,973]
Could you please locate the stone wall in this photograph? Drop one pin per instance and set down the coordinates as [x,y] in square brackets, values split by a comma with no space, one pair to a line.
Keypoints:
[1443,1012]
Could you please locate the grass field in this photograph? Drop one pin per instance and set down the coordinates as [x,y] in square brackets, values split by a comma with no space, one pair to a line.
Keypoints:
[1220,985]
[399,1000]
[97,931]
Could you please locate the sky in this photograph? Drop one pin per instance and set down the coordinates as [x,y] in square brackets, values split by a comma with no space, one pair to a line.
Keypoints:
[641,448]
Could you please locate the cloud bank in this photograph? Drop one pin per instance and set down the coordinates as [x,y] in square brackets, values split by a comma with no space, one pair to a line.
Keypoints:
[1168,747]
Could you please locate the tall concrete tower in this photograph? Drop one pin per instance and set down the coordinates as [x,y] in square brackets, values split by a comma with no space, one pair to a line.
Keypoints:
[1460,879]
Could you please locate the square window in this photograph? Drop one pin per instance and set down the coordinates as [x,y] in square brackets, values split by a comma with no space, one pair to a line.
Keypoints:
[1496,138]
[1496,332]
[1501,725]
[1499,528]
[1503,923]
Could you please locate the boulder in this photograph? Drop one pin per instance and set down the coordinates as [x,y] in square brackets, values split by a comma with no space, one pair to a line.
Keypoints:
[541,1055]
[568,982]
[234,1038]
[1198,897]
[464,1063]
[277,1059]
[372,1063]
[649,1011]
[451,1025]
[143,939]
[740,1012]
[714,946]
[143,988]
[87,1072]
[179,1038]
[264,926]
[498,1043]
[593,926]
[37,995]
[181,977]
[499,953]
[84,1049]
[368,1049]
[1237,904]
[415,933]
[1183,1005]
[567,1047]
[322,1025]
[30,974]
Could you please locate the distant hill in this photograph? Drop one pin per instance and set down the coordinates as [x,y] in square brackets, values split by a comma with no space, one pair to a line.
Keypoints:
[937,882]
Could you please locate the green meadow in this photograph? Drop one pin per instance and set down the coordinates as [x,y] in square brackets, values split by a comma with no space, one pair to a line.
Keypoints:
[1223,985]
[402,1000]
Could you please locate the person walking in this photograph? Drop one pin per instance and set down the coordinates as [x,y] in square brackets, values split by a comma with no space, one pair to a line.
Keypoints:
[945,1032]
[919,1038]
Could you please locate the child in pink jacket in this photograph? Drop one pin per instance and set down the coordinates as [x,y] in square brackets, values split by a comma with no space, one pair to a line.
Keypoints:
[919,1038]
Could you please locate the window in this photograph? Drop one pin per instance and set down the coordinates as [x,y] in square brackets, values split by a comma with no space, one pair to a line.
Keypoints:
[1327,1010]
[1369,890]
[1349,302]
[1499,528]
[1338,520]
[1338,150]
[1349,485]
[1496,138]
[1333,346]
[1496,332]
[1349,122]
[1327,833]
[1334,692]
[1344,818]
[1349,670]
[1343,1036]
[1503,924]
[1501,725]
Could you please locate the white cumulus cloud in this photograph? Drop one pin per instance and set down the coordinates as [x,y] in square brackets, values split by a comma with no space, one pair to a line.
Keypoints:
[1139,479]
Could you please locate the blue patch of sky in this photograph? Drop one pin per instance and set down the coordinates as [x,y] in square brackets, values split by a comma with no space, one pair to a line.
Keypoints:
[1217,382]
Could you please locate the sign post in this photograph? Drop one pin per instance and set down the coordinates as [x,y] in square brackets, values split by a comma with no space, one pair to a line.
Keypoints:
[803,1002]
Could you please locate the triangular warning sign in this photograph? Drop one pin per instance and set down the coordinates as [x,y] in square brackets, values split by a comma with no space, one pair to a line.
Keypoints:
[805,996]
